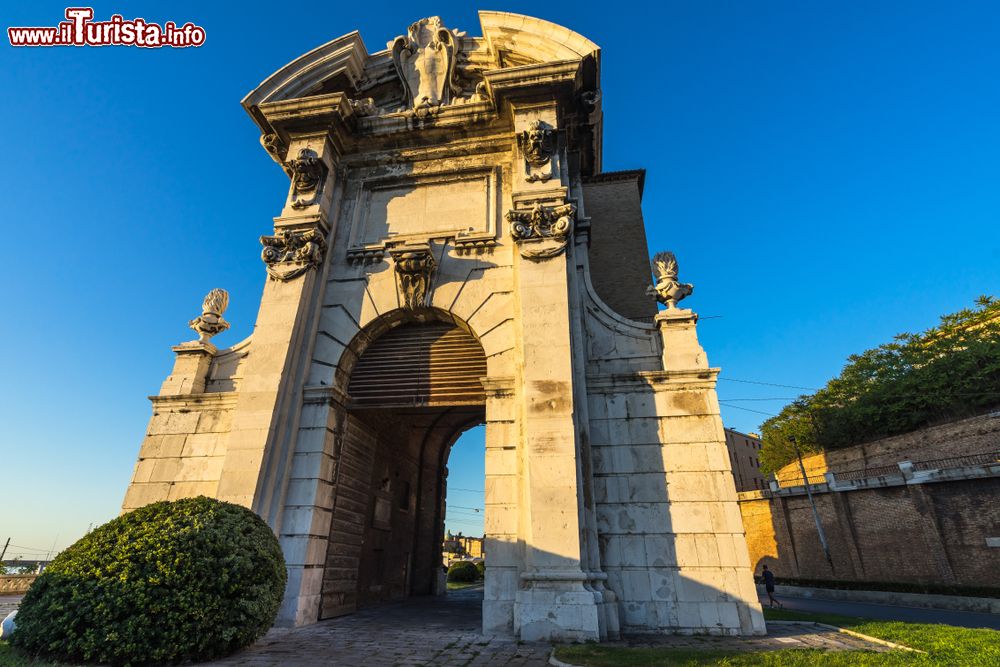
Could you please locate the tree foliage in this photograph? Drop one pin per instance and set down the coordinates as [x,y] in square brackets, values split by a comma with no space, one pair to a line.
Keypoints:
[170,582]
[947,372]
[463,571]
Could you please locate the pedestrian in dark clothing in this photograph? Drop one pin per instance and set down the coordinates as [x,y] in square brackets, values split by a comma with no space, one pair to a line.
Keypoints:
[768,578]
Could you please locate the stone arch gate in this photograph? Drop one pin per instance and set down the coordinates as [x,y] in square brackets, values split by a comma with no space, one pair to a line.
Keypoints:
[450,253]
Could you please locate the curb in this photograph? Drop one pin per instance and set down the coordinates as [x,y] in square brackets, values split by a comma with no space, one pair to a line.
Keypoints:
[874,640]
[556,662]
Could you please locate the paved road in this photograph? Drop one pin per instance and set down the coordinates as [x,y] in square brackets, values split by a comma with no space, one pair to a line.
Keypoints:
[966,619]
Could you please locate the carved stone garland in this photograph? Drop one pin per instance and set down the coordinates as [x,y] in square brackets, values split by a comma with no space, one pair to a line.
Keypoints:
[308,175]
[414,267]
[542,231]
[288,254]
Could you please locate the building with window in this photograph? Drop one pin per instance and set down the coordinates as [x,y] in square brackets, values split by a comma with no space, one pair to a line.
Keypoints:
[461,547]
[744,456]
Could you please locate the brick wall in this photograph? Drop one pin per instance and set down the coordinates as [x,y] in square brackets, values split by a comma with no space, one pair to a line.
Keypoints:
[919,533]
[959,438]
[619,257]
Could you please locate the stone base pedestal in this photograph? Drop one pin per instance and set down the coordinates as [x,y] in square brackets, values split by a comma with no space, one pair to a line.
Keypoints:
[563,607]
[547,614]
[498,617]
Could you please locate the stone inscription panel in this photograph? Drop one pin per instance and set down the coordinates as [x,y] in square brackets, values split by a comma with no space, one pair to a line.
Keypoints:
[425,207]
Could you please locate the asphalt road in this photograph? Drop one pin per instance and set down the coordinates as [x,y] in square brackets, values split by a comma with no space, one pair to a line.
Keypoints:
[966,619]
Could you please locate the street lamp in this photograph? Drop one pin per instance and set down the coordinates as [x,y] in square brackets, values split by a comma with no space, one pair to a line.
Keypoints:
[812,503]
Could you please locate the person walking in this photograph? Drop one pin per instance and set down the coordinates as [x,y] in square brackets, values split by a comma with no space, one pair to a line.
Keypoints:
[768,578]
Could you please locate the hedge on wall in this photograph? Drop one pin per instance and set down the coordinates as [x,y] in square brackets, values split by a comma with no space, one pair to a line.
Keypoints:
[463,571]
[175,581]
[948,372]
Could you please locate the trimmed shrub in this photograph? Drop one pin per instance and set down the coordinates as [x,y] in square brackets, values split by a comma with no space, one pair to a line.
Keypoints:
[187,580]
[481,568]
[463,571]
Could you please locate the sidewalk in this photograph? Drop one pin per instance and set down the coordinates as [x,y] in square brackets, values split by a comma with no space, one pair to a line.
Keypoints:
[885,612]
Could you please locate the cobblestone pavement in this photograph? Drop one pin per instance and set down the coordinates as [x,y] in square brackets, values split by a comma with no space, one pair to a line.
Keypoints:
[444,632]
[419,631]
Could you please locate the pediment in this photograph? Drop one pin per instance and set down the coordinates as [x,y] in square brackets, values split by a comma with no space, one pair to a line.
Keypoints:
[378,84]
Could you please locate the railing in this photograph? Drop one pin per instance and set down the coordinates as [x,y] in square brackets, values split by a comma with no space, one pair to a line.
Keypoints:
[985,459]
[893,469]
[869,473]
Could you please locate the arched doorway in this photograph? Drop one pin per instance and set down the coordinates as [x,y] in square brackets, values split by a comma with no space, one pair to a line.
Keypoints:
[413,387]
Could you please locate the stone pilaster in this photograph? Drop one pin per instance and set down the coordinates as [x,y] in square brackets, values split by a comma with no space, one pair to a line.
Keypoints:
[191,368]
[712,588]
[501,507]
[262,436]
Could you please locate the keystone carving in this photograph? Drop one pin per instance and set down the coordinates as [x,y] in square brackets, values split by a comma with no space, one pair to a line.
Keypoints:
[414,267]
[425,60]
[667,289]
[307,172]
[210,322]
[289,254]
[549,224]
[537,144]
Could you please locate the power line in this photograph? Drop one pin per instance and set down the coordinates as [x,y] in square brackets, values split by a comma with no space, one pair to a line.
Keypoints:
[740,407]
[41,551]
[452,488]
[773,398]
[769,384]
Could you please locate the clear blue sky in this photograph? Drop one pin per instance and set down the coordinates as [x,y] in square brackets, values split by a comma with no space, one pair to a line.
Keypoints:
[827,172]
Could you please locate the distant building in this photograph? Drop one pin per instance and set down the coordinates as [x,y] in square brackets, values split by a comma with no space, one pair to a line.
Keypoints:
[744,455]
[460,547]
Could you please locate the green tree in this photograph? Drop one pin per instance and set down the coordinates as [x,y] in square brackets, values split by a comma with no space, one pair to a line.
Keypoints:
[947,372]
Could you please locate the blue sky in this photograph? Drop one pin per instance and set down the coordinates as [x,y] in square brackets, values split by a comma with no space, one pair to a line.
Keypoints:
[827,173]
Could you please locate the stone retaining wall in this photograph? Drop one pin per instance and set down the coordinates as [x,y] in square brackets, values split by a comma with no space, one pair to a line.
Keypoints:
[933,527]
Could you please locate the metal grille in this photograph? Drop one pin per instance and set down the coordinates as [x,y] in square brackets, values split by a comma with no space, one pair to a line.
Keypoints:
[420,365]
[986,459]
[869,473]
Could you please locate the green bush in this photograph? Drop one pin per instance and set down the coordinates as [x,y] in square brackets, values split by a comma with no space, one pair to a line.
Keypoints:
[176,581]
[481,568]
[463,571]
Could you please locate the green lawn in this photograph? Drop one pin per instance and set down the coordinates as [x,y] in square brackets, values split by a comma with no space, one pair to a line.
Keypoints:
[459,585]
[944,644]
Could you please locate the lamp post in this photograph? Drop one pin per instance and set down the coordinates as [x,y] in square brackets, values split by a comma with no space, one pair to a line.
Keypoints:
[812,503]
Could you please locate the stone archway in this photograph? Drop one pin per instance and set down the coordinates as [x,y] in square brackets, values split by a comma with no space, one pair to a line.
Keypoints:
[411,391]
[457,179]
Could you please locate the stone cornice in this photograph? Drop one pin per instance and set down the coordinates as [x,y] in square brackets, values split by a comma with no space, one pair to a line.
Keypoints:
[216,400]
[324,395]
[543,76]
[658,380]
